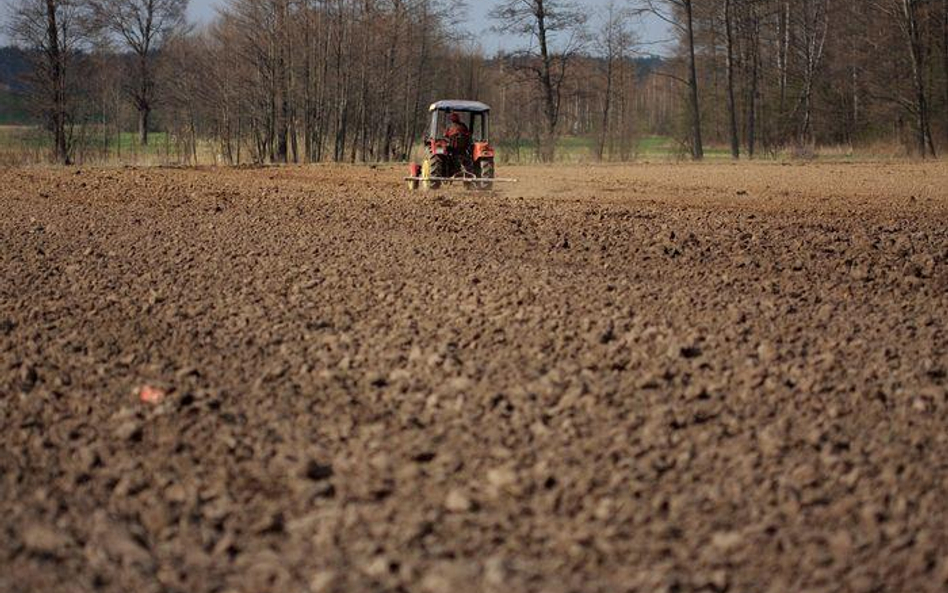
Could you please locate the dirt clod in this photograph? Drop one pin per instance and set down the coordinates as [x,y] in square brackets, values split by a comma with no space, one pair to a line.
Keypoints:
[27,376]
[129,430]
[45,540]
[316,471]
[458,502]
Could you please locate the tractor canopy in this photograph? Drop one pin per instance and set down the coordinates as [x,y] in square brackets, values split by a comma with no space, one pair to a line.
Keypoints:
[473,114]
[465,106]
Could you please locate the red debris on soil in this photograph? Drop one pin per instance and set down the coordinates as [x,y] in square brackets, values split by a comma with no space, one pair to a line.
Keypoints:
[151,395]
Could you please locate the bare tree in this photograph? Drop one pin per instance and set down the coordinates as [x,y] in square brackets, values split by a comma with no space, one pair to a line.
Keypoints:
[547,56]
[783,50]
[906,14]
[750,34]
[613,45]
[143,26]
[679,14]
[731,104]
[53,32]
[813,27]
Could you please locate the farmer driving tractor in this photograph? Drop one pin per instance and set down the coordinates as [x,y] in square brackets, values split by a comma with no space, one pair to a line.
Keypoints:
[457,129]
[459,142]
[459,138]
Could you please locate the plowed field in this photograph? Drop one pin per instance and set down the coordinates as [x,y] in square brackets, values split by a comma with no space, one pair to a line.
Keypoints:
[640,378]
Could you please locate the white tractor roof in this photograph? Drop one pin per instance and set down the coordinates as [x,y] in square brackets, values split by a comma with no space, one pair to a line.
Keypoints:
[472,106]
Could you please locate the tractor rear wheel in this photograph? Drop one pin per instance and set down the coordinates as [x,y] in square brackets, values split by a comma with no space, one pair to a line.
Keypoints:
[485,171]
[432,167]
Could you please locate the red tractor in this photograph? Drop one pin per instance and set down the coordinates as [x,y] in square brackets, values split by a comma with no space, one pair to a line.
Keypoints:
[456,148]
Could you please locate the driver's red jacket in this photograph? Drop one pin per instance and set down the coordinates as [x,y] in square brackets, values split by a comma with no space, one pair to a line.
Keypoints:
[458,129]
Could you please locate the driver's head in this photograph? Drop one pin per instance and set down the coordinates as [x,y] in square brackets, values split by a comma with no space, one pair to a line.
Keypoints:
[455,118]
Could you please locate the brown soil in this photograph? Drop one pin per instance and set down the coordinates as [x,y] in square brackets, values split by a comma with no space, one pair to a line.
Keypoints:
[645,378]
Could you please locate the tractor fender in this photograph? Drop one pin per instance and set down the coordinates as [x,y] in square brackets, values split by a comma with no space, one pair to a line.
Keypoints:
[483,150]
[439,146]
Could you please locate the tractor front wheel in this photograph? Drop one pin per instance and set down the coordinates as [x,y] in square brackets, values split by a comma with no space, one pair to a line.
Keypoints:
[432,167]
[486,171]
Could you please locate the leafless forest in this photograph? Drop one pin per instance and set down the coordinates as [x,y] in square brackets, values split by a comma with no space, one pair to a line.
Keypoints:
[349,80]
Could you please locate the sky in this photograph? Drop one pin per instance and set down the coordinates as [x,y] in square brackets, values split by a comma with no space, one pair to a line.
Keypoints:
[649,31]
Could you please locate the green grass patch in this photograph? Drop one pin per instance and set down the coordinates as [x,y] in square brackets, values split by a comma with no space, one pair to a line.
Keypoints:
[656,146]
[94,141]
[125,143]
[667,147]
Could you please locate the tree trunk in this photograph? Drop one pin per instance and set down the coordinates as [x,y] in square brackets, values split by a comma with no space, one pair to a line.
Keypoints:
[547,149]
[753,44]
[343,75]
[712,56]
[815,26]
[143,97]
[783,59]
[192,130]
[697,147]
[854,77]
[390,71]
[322,110]
[752,105]
[290,95]
[310,48]
[57,81]
[731,105]
[281,86]
[361,131]
[387,111]
[607,104]
[923,131]
[144,114]
[411,129]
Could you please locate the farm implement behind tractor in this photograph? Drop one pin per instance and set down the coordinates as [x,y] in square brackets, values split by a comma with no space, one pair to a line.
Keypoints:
[457,148]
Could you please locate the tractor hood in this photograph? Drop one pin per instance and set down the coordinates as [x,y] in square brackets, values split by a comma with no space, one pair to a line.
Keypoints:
[471,106]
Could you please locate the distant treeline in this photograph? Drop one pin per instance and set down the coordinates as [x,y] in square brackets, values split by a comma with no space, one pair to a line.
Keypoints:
[14,65]
[350,80]
[13,91]
[801,73]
